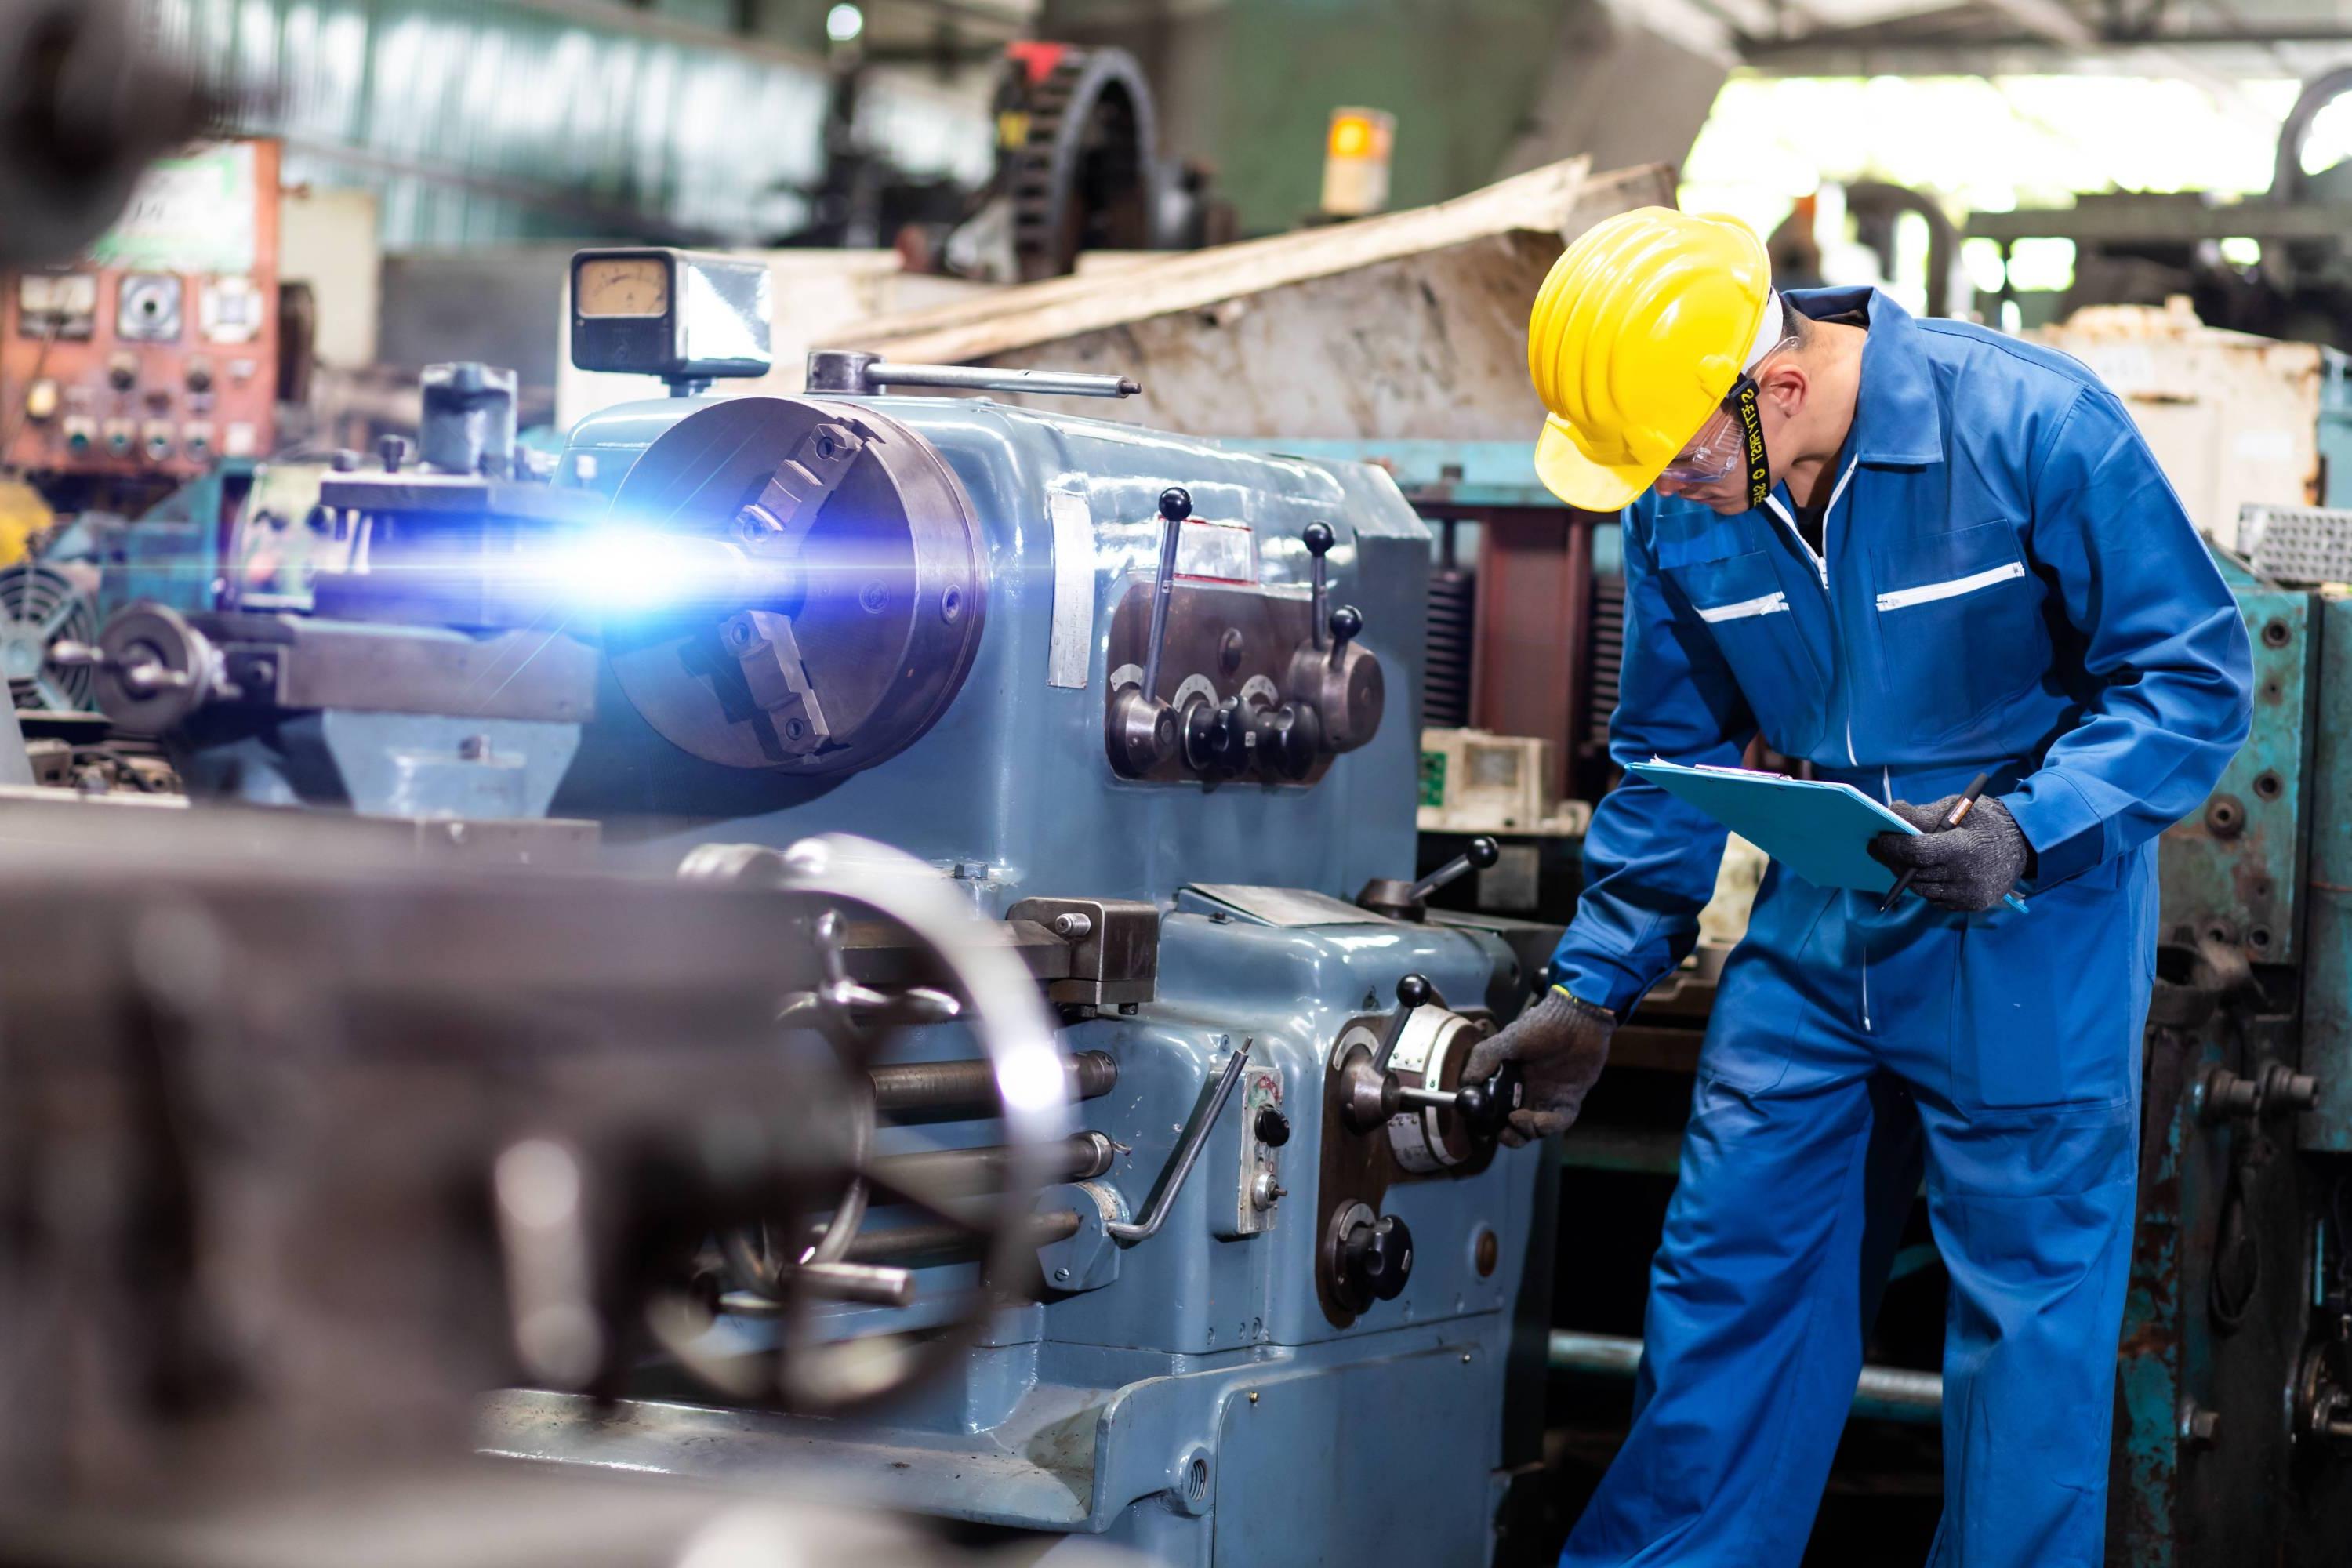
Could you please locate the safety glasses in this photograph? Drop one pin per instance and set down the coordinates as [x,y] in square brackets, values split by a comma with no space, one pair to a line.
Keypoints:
[1721,445]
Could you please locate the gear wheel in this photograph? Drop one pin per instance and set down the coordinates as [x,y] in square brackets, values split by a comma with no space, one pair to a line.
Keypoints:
[1076,159]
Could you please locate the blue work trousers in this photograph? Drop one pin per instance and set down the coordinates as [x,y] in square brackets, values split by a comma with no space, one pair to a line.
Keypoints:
[1849,1052]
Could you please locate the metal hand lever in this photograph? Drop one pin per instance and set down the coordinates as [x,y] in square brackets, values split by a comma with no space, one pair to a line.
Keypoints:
[1413,992]
[1188,1153]
[1320,538]
[1483,1106]
[1482,853]
[866,1283]
[1143,728]
[1175,506]
[144,678]
[1347,621]
[842,1004]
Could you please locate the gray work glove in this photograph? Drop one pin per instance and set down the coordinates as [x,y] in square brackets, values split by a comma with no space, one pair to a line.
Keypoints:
[1968,867]
[1561,1044]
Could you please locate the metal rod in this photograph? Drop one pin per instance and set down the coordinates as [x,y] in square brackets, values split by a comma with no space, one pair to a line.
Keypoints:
[956,1173]
[984,378]
[940,1241]
[1881,1393]
[951,1086]
[1162,587]
[869,1284]
[1188,1153]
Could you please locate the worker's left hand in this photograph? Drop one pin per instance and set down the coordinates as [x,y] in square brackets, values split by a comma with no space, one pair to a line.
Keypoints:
[1968,867]
[1561,1044]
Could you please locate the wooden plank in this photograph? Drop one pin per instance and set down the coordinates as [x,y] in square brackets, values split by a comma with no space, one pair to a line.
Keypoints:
[1412,325]
[1545,201]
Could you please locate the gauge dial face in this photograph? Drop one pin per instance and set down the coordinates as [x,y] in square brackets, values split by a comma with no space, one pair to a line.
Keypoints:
[57,294]
[623,285]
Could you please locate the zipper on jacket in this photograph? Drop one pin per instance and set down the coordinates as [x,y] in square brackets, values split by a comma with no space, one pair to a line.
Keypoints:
[1819,558]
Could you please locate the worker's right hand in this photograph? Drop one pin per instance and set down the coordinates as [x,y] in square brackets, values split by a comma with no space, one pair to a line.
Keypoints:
[1561,1045]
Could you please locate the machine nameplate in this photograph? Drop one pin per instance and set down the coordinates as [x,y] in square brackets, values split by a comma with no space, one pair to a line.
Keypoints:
[1069,652]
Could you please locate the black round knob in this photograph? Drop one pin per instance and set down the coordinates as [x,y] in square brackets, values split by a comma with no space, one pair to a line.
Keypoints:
[1320,538]
[1273,1128]
[1485,1107]
[1412,991]
[1483,853]
[1378,1257]
[393,451]
[1295,741]
[1346,622]
[1175,503]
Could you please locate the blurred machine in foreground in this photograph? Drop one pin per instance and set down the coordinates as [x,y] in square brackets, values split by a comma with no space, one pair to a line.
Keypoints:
[1148,705]
[312,1146]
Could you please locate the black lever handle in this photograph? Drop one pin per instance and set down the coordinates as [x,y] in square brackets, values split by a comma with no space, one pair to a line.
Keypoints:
[1347,621]
[1413,992]
[1486,1106]
[1319,540]
[1175,506]
[1482,853]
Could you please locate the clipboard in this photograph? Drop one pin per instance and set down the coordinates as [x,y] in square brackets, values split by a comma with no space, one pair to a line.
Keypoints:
[1819,830]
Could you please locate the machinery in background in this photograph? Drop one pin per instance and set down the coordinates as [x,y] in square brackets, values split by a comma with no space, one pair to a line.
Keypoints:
[1078,165]
[1078,168]
[135,369]
[2139,250]
[1102,684]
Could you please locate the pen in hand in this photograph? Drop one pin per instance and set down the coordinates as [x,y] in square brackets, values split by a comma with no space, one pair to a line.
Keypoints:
[1952,818]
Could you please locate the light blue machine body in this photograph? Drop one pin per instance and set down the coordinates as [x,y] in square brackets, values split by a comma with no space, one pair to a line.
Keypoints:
[1011,783]
[1194,1401]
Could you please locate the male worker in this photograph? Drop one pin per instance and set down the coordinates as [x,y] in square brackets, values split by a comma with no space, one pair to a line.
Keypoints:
[1903,551]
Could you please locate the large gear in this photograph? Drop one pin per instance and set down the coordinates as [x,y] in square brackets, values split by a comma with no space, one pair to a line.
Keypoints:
[1077,137]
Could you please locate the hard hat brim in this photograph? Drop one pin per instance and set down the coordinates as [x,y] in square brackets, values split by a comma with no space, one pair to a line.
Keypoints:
[1580,481]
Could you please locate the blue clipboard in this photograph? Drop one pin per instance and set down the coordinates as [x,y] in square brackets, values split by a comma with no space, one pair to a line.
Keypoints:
[1819,830]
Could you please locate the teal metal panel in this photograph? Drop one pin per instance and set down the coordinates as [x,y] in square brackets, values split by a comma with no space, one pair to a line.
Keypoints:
[2328,971]
[2335,430]
[2235,869]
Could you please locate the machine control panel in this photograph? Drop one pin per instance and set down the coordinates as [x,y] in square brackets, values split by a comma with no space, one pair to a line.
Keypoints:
[1397,1108]
[156,353]
[1264,1129]
[1214,678]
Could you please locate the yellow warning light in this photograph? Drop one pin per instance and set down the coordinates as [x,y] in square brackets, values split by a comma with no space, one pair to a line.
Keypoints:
[1351,135]
[1356,165]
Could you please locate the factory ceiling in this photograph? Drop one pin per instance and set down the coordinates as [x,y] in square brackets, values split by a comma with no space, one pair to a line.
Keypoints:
[2209,39]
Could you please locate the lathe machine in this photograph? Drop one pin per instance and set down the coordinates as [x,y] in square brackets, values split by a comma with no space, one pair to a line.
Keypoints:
[1149,705]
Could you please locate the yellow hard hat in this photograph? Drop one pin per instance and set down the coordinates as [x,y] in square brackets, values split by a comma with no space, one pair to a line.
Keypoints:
[1637,336]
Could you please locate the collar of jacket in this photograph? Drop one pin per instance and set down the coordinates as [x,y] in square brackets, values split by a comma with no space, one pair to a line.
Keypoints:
[1896,421]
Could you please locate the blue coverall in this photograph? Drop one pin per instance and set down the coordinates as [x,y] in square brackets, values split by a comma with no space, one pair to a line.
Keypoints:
[2007,581]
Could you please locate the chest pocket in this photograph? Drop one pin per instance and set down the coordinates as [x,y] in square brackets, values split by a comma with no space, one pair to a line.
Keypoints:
[1747,612]
[1959,623]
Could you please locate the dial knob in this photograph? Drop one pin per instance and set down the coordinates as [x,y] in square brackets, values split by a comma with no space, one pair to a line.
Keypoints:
[1377,1258]
[1273,1128]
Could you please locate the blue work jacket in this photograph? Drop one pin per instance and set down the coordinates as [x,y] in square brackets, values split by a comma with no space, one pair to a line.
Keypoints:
[2007,582]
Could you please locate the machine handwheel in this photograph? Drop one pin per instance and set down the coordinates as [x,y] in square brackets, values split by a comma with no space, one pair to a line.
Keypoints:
[842,878]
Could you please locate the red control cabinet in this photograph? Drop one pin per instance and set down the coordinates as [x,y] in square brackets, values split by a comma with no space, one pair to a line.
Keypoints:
[157,353]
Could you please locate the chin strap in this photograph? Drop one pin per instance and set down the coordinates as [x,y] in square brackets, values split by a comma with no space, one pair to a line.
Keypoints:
[1744,402]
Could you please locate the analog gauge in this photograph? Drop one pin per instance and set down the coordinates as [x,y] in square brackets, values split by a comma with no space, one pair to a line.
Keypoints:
[57,304]
[623,285]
